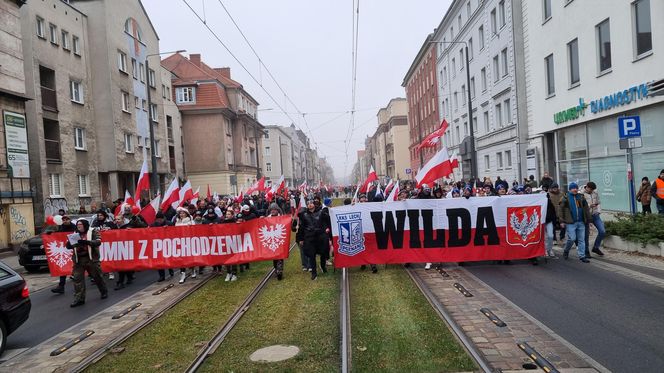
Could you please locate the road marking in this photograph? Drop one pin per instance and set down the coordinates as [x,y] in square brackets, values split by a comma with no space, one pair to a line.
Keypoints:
[635,275]
[492,316]
[163,289]
[126,311]
[72,343]
[462,290]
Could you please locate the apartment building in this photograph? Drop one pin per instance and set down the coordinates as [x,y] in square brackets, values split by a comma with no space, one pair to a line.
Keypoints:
[174,138]
[278,155]
[16,198]
[594,69]
[220,129]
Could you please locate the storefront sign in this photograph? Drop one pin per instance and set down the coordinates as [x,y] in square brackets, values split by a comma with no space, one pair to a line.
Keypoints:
[16,140]
[620,98]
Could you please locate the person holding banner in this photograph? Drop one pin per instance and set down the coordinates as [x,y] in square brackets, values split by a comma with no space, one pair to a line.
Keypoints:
[231,270]
[275,210]
[66,226]
[575,213]
[102,223]
[160,221]
[183,219]
[312,235]
[86,259]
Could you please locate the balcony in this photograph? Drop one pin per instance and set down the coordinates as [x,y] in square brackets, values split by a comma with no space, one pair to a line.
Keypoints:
[52,148]
[49,99]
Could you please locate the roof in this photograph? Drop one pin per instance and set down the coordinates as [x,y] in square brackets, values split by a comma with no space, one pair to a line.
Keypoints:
[211,92]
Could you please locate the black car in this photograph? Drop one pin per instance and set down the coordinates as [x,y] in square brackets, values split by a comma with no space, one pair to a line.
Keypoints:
[31,254]
[14,302]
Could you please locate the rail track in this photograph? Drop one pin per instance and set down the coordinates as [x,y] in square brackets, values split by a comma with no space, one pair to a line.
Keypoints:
[344,317]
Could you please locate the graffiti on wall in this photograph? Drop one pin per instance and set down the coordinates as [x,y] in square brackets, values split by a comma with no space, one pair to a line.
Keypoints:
[52,205]
[20,223]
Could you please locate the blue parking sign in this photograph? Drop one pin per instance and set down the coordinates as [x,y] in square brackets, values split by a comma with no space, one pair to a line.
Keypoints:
[629,127]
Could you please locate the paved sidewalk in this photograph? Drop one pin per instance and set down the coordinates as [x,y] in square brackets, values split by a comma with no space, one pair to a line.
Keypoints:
[499,344]
[38,359]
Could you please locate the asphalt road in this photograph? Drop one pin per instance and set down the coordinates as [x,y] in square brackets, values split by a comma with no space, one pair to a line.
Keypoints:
[51,313]
[612,318]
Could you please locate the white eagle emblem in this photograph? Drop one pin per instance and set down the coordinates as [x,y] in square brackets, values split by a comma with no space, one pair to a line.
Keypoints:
[525,226]
[273,236]
[58,254]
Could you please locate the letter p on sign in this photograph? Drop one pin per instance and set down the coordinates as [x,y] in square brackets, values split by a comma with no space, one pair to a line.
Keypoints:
[629,127]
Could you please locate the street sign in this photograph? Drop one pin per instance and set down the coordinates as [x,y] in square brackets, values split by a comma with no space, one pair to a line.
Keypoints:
[630,143]
[629,127]
[409,171]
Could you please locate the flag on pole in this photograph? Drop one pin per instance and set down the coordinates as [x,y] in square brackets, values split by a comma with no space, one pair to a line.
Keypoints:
[149,212]
[143,183]
[438,166]
[434,138]
[196,197]
[185,194]
[378,191]
[388,188]
[128,201]
[394,193]
[370,178]
[454,161]
[171,196]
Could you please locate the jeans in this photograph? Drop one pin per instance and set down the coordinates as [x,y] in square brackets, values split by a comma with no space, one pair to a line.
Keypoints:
[304,258]
[548,239]
[601,232]
[576,232]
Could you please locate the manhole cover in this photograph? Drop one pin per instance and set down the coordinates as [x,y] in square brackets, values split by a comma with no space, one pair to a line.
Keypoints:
[273,354]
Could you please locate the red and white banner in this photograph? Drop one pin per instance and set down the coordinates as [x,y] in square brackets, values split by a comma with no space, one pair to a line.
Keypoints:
[439,230]
[179,247]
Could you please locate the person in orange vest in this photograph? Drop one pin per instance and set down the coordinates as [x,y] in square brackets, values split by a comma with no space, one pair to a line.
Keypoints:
[657,191]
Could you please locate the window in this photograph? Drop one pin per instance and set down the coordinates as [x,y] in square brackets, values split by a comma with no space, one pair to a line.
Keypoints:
[185,95]
[496,70]
[444,75]
[79,138]
[486,121]
[493,21]
[40,28]
[53,33]
[125,101]
[573,53]
[268,152]
[54,185]
[499,160]
[481,37]
[154,114]
[268,167]
[134,68]
[463,95]
[453,67]
[468,11]
[642,26]
[483,77]
[498,115]
[487,163]
[151,78]
[508,158]
[157,152]
[76,91]
[163,91]
[146,142]
[137,102]
[503,57]
[501,13]
[143,105]
[76,45]
[83,185]
[458,135]
[507,110]
[472,87]
[122,62]
[129,143]
[546,9]
[550,82]
[65,40]
[604,45]
[459,22]
[465,129]
[452,33]
[470,49]
[461,60]
[474,123]
[456,101]
[141,74]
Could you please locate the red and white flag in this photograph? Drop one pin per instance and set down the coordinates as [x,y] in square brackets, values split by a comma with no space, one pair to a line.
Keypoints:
[276,188]
[394,193]
[197,196]
[143,183]
[438,166]
[149,212]
[239,197]
[128,201]
[185,195]
[303,186]
[434,138]
[370,178]
[389,186]
[378,191]
[454,161]
[171,196]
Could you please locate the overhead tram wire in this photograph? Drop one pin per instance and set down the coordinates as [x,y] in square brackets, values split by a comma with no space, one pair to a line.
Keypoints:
[355,40]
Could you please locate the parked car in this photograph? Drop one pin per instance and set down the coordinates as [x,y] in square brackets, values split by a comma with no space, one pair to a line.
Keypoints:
[31,253]
[14,302]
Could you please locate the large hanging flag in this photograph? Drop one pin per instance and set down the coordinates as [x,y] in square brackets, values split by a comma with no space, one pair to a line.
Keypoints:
[370,178]
[171,196]
[143,183]
[434,138]
[149,212]
[438,166]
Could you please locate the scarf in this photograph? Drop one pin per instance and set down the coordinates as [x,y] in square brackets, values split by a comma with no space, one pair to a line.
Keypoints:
[574,207]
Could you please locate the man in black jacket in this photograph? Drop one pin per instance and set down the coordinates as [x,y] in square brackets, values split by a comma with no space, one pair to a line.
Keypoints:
[312,235]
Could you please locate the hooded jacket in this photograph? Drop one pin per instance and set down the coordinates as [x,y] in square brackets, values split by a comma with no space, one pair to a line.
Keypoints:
[88,244]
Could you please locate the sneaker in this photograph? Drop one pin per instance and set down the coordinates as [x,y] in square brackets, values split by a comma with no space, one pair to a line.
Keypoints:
[228,277]
[552,256]
[328,262]
[565,255]
[111,276]
[314,276]
[427,266]
[119,286]
[585,260]
[194,273]
[598,251]
[58,290]
[304,269]
[280,276]
[233,278]
[183,276]
[308,269]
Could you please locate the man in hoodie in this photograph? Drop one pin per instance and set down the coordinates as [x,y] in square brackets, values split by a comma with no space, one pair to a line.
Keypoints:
[574,213]
[592,198]
[86,259]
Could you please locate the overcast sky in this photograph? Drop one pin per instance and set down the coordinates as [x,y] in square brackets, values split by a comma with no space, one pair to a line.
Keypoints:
[307,45]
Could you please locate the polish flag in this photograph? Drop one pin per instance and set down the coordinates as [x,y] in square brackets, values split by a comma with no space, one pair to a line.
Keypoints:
[276,188]
[185,194]
[434,138]
[149,212]
[197,196]
[171,196]
[378,191]
[143,182]
[389,186]
[302,186]
[454,160]
[370,178]
[394,193]
[239,197]
[438,166]
[303,203]
[128,201]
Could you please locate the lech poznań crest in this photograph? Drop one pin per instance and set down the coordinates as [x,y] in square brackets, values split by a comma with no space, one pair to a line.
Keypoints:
[351,237]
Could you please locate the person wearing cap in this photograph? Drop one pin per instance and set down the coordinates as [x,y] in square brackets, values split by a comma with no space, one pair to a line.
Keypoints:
[592,198]
[103,223]
[501,190]
[425,193]
[574,213]
[86,258]
[312,235]
[275,210]
[657,192]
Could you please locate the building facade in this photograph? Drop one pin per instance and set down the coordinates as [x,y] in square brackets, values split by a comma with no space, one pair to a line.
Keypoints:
[487,30]
[16,197]
[422,92]
[173,128]
[277,155]
[593,70]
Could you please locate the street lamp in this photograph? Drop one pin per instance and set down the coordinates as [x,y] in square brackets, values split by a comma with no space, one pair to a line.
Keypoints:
[473,160]
[153,156]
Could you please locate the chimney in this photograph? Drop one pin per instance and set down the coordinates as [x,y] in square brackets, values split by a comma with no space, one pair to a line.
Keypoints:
[195,59]
[224,71]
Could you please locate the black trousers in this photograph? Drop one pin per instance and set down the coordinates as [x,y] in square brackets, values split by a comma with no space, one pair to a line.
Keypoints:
[125,276]
[646,209]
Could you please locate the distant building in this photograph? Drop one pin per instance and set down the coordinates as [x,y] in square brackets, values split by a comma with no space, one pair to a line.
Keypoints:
[175,144]
[277,155]
[387,150]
